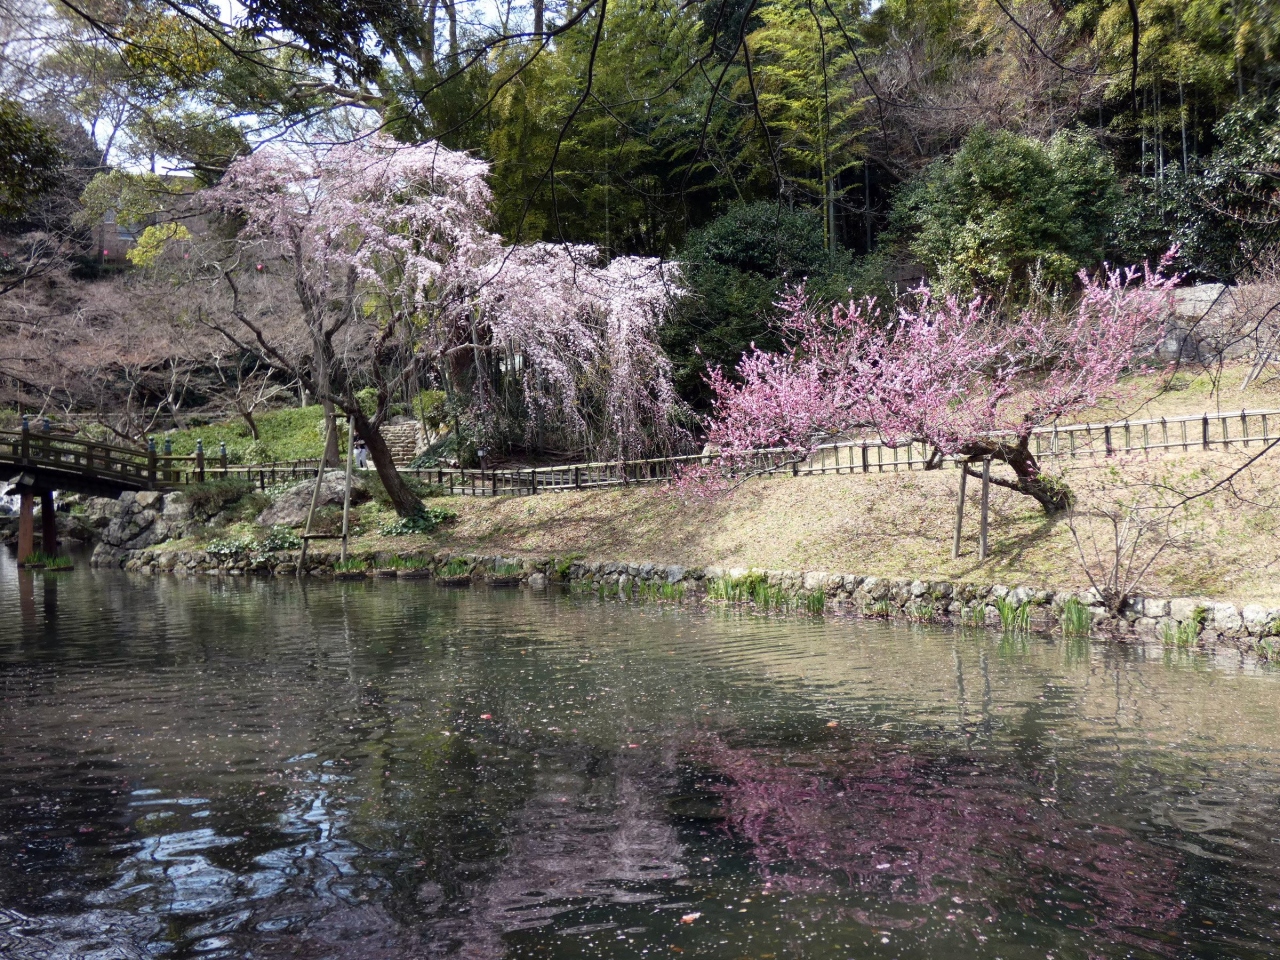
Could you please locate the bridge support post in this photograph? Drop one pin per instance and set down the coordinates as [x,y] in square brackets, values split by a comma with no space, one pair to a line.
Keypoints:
[26,525]
[48,524]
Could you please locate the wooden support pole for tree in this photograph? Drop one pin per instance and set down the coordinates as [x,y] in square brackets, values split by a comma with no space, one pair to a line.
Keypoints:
[346,493]
[48,524]
[955,544]
[986,499]
[315,498]
[26,525]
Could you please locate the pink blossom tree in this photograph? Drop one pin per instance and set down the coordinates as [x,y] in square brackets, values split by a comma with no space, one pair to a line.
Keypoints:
[397,275]
[943,372]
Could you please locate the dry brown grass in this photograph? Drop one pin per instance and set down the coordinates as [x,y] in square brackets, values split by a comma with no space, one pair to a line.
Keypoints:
[897,525]
[1188,389]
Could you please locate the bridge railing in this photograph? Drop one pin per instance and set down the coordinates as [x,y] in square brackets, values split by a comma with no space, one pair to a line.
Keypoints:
[105,461]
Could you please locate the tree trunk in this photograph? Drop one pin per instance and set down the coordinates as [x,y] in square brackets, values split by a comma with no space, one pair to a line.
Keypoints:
[247,414]
[1052,495]
[539,8]
[402,498]
[331,458]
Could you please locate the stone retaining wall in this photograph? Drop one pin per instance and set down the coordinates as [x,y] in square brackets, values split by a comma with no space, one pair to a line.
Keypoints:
[1205,621]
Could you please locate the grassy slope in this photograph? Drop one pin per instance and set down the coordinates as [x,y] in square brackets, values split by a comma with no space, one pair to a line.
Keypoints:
[291,434]
[896,525]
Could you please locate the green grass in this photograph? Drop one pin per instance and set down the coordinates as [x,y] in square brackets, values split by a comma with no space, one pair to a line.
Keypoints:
[1015,618]
[880,610]
[660,591]
[413,563]
[292,434]
[350,565]
[755,589]
[50,561]
[456,567]
[1186,633]
[1076,619]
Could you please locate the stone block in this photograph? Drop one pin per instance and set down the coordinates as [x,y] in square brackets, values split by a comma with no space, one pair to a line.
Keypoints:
[815,581]
[1184,609]
[1225,618]
[918,588]
[675,573]
[538,581]
[1151,607]
[1255,617]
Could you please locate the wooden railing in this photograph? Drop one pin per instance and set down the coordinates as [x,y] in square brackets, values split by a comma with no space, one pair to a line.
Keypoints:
[1203,431]
[134,469]
[102,461]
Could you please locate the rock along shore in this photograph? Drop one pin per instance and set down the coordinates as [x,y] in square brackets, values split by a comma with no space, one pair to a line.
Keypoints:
[1202,622]
[144,521]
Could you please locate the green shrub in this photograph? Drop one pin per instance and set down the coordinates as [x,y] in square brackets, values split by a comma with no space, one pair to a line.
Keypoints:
[425,522]
[1004,207]
[280,538]
[456,567]
[351,565]
[231,547]
[210,498]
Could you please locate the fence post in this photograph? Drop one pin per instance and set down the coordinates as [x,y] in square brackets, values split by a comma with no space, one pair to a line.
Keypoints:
[986,497]
[955,544]
[1244,427]
[1106,439]
[533,478]
[1164,433]
[199,461]
[1204,429]
[26,438]
[866,461]
[222,455]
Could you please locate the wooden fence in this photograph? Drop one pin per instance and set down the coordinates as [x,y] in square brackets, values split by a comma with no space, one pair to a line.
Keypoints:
[153,468]
[1203,431]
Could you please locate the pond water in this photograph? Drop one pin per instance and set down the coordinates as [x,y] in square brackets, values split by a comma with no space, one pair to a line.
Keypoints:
[231,768]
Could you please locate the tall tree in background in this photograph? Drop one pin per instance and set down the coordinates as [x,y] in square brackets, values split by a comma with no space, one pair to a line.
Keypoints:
[397,275]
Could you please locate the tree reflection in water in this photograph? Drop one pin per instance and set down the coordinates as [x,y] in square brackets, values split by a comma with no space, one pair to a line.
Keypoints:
[905,838]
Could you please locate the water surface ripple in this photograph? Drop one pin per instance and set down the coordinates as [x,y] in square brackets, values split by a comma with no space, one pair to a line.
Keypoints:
[199,768]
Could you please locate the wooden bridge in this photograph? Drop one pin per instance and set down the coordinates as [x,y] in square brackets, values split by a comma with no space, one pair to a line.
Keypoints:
[41,461]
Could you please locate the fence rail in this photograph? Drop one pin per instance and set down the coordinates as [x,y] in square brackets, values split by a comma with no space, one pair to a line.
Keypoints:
[1203,431]
[133,469]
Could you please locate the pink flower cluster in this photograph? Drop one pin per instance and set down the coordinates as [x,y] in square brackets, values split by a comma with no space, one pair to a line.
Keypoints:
[396,235]
[941,371]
